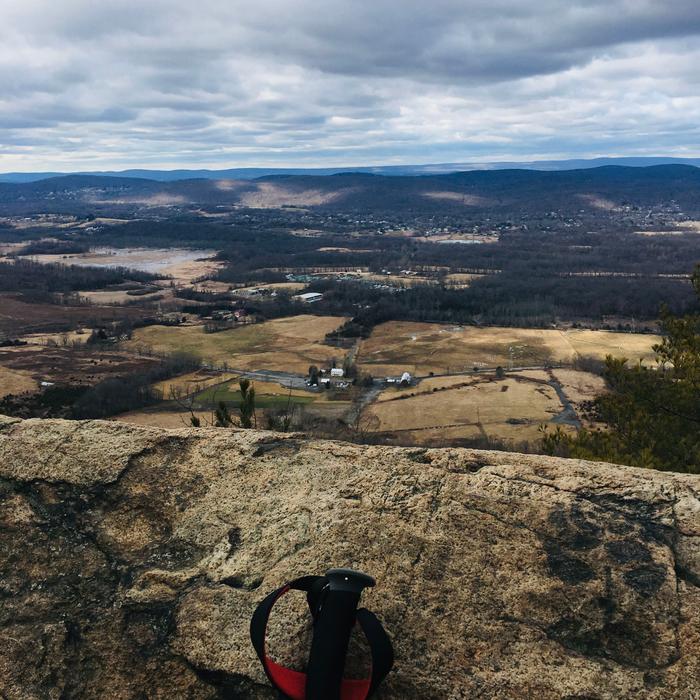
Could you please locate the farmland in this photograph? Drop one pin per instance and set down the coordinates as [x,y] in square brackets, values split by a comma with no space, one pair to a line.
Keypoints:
[180,263]
[391,254]
[15,382]
[421,348]
[285,344]
[267,395]
[210,390]
[441,409]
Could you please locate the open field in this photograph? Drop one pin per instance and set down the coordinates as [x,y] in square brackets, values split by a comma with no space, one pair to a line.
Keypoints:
[460,280]
[69,337]
[284,344]
[396,280]
[441,409]
[267,395]
[421,348]
[155,260]
[181,264]
[291,287]
[214,286]
[187,271]
[121,296]
[212,386]
[15,382]
[9,249]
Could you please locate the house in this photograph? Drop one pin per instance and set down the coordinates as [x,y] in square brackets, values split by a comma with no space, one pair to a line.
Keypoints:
[309,297]
[404,380]
[337,372]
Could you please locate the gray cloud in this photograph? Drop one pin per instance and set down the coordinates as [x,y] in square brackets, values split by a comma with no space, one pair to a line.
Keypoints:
[233,82]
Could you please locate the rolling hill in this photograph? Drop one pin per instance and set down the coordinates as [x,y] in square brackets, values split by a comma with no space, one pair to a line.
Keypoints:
[606,188]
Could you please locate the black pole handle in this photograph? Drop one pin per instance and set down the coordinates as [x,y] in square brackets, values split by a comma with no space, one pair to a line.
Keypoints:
[333,625]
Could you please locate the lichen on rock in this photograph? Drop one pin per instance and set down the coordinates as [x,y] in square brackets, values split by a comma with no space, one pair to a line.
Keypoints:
[131,560]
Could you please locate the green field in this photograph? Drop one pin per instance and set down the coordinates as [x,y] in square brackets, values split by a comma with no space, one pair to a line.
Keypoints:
[231,395]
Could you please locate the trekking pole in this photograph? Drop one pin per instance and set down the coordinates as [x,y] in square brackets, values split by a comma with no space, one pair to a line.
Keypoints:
[333,626]
[333,601]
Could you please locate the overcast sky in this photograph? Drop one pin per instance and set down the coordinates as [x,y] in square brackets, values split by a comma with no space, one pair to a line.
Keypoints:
[96,84]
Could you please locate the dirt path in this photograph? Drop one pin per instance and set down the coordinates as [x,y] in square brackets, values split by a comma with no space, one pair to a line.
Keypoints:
[568,414]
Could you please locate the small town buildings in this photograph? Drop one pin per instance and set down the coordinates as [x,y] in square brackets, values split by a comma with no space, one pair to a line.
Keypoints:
[337,372]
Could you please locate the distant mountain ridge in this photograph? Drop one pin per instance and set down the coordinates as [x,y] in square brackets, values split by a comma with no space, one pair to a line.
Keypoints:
[389,170]
[503,192]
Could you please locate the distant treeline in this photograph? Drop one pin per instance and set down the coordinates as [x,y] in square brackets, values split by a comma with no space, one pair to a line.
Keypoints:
[249,250]
[120,394]
[538,275]
[40,281]
[504,299]
[55,247]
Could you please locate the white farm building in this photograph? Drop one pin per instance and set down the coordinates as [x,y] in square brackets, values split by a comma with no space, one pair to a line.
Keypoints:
[309,297]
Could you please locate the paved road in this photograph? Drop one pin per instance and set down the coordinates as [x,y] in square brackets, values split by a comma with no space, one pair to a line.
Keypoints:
[286,379]
[298,381]
[291,380]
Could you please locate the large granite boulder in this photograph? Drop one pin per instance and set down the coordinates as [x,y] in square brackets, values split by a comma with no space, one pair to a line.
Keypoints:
[131,560]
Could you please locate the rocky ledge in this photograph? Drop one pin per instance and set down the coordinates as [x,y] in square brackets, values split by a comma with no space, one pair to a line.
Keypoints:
[131,560]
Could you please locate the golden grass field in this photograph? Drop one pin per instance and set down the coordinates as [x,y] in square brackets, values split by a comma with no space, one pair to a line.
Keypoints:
[512,409]
[460,279]
[284,344]
[186,272]
[70,337]
[183,265]
[120,296]
[15,382]
[291,287]
[421,348]
[579,386]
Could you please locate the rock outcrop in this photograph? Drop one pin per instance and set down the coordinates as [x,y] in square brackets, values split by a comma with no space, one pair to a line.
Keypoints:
[131,560]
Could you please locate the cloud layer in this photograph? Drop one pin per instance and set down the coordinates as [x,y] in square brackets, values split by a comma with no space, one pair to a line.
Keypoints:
[168,83]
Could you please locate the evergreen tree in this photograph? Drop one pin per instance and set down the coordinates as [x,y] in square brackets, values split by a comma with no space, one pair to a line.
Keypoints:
[652,414]
[222,417]
[247,405]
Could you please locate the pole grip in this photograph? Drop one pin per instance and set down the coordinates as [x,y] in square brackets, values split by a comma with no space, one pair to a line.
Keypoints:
[329,646]
[332,629]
